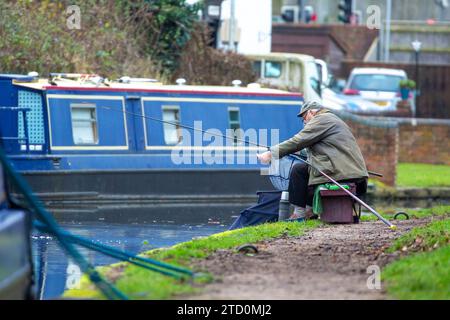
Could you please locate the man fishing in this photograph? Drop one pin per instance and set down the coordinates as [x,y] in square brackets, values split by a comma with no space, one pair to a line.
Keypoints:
[331,148]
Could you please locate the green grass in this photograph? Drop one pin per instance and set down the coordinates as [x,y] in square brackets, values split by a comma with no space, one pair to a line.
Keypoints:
[413,213]
[424,275]
[422,175]
[432,236]
[139,283]
[427,50]
[421,28]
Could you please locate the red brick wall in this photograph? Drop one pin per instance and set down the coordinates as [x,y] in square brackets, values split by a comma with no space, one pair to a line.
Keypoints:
[378,141]
[384,142]
[424,143]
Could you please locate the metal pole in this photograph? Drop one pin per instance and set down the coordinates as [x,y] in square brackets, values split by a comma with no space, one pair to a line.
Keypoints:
[300,10]
[381,43]
[232,27]
[353,10]
[25,129]
[417,73]
[387,47]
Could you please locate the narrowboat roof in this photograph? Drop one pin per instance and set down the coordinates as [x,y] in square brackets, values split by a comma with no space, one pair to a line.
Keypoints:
[19,77]
[66,85]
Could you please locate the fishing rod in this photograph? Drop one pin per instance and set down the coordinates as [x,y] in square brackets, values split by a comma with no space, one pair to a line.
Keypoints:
[187,127]
[204,131]
[390,225]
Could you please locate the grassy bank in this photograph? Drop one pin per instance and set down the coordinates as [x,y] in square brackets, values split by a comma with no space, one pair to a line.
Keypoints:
[139,283]
[422,175]
[437,211]
[434,235]
[424,274]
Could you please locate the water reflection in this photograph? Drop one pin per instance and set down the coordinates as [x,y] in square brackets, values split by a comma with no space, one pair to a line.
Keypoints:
[52,265]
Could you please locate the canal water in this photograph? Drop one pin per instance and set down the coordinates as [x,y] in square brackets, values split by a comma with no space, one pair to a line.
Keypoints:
[55,272]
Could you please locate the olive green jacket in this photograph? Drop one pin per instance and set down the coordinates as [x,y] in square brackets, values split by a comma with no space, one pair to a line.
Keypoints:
[331,147]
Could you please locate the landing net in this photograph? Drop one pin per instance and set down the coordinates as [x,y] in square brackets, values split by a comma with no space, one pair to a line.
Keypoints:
[280,171]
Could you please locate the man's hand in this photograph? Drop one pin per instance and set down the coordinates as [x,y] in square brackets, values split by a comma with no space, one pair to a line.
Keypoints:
[265,157]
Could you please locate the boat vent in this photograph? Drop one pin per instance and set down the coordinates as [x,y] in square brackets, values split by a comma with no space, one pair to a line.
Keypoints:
[33,74]
[181,81]
[236,83]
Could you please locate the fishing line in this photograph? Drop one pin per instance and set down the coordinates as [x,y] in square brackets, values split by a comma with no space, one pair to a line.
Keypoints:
[203,131]
[187,127]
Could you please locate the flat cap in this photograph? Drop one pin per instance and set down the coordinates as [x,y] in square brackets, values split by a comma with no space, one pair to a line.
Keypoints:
[310,105]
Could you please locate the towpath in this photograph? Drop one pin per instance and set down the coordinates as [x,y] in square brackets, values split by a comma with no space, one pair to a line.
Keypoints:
[329,262]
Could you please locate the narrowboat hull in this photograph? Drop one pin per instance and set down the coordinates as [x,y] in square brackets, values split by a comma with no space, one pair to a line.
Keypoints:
[155,193]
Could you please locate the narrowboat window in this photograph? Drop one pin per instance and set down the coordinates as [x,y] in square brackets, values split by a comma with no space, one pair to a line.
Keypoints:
[272,69]
[172,132]
[235,124]
[84,124]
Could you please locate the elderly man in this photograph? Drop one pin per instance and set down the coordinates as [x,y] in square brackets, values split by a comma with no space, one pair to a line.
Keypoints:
[331,147]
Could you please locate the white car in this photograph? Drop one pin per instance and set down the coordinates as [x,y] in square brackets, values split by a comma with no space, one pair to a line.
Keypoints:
[377,85]
[335,100]
[338,101]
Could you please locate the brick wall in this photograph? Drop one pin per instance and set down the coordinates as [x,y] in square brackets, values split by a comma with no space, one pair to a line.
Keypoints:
[424,143]
[386,141]
[378,141]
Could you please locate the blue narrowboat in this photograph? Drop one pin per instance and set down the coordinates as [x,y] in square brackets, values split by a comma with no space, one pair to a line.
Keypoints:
[81,137]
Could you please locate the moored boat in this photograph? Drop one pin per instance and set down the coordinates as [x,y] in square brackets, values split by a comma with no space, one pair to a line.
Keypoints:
[81,139]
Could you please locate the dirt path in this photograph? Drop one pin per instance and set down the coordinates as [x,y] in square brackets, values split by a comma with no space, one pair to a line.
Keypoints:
[329,262]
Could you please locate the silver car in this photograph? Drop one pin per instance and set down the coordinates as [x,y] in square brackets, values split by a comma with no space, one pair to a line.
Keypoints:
[377,85]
